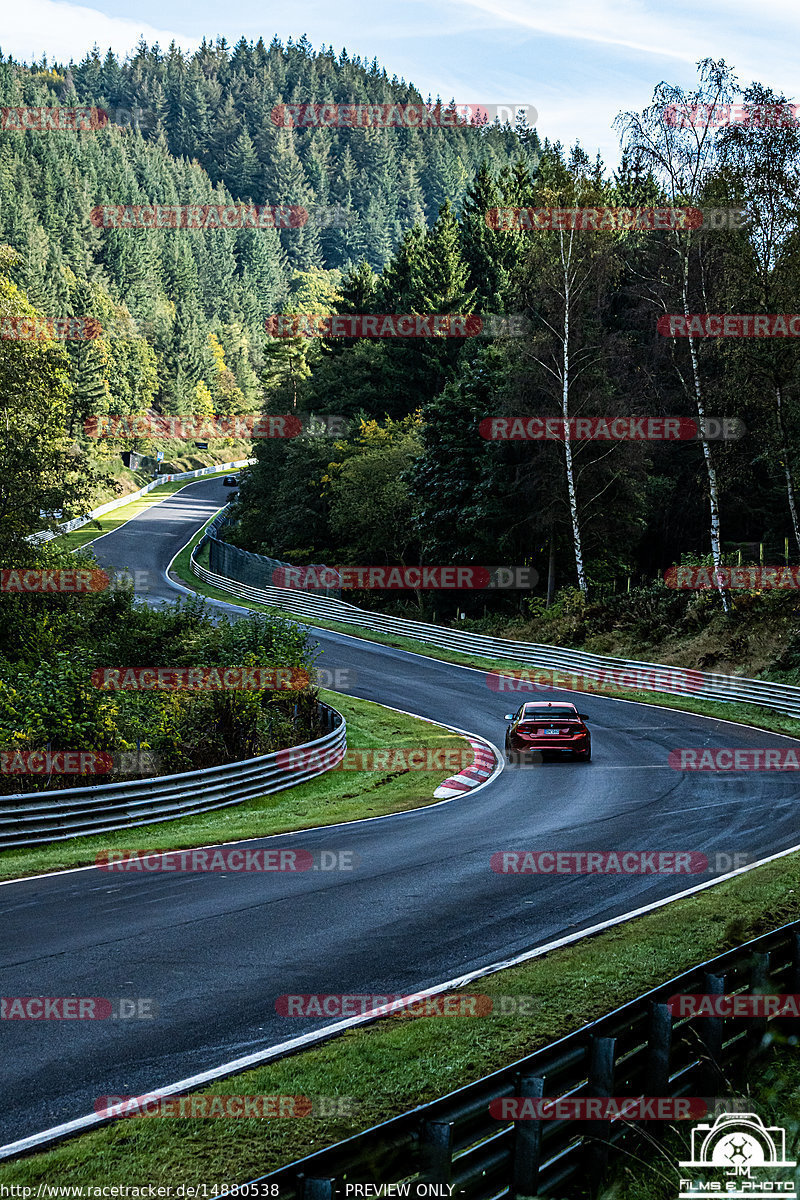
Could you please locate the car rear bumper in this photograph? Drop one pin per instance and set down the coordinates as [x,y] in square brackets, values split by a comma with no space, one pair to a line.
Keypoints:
[552,747]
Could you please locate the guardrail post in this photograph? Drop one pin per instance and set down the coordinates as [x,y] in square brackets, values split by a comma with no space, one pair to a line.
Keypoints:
[527,1146]
[659,1049]
[436,1152]
[794,974]
[759,984]
[710,1031]
[601,1084]
[318,1189]
[657,1063]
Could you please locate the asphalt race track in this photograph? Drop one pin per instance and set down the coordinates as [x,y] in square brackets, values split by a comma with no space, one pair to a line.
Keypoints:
[215,950]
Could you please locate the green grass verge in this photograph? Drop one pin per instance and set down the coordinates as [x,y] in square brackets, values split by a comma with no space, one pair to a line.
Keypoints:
[746,714]
[113,479]
[646,1168]
[330,798]
[399,1062]
[118,516]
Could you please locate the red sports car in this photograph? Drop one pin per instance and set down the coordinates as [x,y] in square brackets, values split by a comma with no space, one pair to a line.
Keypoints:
[543,728]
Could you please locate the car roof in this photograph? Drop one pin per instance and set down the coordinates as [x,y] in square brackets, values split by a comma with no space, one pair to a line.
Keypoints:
[533,707]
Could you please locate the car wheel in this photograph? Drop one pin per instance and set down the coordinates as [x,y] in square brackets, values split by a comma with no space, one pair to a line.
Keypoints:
[512,757]
[587,757]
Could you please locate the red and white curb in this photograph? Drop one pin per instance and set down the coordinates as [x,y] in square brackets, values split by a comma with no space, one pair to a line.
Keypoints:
[482,767]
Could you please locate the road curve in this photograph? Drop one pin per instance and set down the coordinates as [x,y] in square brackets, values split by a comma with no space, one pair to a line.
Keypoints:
[423,906]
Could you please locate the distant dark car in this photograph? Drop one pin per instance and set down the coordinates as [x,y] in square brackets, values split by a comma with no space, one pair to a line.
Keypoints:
[537,728]
[230,481]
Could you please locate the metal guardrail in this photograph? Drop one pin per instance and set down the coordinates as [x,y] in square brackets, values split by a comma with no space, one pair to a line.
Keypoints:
[47,535]
[589,667]
[256,570]
[36,817]
[639,1049]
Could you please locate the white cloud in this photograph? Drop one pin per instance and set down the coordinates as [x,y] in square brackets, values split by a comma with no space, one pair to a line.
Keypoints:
[677,31]
[579,62]
[65,31]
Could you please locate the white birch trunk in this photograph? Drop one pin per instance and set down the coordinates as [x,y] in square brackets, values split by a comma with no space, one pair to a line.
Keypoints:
[573,501]
[713,492]
[786,468]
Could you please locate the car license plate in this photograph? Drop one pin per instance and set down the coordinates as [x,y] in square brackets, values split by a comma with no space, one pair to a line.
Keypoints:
[548,732]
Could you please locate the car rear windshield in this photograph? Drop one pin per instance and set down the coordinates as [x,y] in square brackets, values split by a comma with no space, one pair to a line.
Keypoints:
[554,718]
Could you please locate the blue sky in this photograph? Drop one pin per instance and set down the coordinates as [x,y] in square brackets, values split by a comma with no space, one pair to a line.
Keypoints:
[578,62]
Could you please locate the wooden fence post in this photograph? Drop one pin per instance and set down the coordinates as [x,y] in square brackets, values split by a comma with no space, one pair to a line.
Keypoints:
[527,1151]
[659,1049]
[710,1029]
[436,1152]
[601,1084]
[759,984]
[318,1189]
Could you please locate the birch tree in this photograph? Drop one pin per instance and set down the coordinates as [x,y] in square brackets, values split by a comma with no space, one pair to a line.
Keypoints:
[760,160]
[569,264]
[674,139]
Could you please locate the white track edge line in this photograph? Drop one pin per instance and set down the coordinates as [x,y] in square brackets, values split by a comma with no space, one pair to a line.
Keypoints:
[404,812]
[321,1035]
[480,670]
[236,1065]
[153,504]
[413,654]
